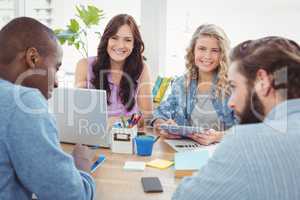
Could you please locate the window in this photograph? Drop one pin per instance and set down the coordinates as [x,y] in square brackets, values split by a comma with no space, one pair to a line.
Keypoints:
[7,11]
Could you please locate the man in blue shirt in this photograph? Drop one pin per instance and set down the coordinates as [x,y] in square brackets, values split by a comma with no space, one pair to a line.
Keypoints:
[31,160]
[260,159]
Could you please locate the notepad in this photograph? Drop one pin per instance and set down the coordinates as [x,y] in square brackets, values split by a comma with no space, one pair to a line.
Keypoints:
[160,163]
[186,163]
[134,165]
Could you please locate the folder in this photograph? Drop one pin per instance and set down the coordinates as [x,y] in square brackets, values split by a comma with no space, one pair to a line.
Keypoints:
[186,163]
[162,89]
[156,86]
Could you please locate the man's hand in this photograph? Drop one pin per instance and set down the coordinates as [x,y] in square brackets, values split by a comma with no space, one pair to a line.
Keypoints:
[83,157]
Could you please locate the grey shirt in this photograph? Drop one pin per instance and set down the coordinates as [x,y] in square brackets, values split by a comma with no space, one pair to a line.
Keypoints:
[204,114]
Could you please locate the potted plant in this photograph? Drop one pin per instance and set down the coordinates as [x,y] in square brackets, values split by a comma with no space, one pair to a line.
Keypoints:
[76,32]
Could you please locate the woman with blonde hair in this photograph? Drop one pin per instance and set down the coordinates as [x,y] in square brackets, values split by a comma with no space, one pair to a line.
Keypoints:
[199,98]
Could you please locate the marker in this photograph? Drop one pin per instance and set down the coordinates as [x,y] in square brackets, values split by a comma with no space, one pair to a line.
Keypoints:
[156,138]
[123,121]
[97,163]
[95,147]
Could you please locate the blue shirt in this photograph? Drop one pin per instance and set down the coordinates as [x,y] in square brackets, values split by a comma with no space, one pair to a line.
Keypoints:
[181,102]
[257,161]
[31,160]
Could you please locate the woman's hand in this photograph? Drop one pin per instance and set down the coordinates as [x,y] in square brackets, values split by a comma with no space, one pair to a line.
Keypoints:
[208,137]
[157,130]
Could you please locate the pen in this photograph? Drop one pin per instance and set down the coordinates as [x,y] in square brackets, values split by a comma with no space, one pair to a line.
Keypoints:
[98,162]
[156,138]
[130,121]
[94,146]
[131,118]
[137,119]
[123,121]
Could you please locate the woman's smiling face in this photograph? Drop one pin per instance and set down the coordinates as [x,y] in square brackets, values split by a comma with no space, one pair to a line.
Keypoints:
[207,53]
[121,44]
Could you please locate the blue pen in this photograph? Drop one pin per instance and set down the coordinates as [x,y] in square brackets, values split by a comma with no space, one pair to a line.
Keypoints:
[98,162]
[95,147]
[117,125]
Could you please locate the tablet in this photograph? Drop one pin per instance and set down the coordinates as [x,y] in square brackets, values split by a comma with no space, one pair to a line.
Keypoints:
[181,130]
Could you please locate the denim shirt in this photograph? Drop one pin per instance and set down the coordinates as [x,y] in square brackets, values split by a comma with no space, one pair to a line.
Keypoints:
[31,159]
[180,104]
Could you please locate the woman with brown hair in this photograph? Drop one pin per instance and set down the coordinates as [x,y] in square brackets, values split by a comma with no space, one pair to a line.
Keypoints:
[199,98]
[119,69]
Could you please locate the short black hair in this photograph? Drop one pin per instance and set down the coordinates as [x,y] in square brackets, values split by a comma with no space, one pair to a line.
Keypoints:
[22,33]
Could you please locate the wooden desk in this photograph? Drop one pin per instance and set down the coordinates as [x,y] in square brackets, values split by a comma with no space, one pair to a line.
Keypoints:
[115,183]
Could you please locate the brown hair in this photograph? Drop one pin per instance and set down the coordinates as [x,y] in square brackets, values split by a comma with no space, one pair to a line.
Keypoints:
[133,65]
[279,56]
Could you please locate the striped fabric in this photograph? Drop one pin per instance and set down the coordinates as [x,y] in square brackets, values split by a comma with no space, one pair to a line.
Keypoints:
[253,162]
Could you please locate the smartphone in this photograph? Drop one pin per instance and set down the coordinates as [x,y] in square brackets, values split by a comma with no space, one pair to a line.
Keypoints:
[151,184]
[98,162]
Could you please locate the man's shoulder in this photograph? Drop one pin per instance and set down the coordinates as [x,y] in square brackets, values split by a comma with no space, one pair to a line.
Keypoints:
[13,96]
[257,137]
[262,129]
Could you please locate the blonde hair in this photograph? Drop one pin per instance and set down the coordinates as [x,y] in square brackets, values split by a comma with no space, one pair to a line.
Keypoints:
[214,31]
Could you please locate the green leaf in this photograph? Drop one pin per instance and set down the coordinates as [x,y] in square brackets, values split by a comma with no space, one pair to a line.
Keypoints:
[76,32]
[77,45]
[74,26]
[62,41]
[71,40]
[90,15]
[57,31]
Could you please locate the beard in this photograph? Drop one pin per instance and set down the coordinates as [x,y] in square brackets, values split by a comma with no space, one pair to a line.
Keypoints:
[253,111]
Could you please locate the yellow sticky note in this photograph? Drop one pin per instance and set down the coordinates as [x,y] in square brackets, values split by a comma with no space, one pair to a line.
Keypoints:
[160,163]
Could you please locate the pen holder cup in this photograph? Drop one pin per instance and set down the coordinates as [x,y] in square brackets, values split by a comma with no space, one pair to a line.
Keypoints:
[122,139]
[144,145]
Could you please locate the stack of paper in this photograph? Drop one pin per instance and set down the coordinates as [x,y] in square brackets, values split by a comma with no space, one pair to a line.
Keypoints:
[134,165]
[160,163]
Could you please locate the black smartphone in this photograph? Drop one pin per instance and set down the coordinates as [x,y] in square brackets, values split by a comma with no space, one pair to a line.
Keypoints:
[151,184]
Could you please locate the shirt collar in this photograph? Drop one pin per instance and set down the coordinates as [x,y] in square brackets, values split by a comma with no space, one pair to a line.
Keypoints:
[284,109]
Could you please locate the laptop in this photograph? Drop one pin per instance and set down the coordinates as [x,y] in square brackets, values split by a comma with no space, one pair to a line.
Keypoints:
[81,116]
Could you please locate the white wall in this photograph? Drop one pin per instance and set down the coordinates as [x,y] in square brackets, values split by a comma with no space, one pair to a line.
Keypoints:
[153,30]
[241,20]
[167,25]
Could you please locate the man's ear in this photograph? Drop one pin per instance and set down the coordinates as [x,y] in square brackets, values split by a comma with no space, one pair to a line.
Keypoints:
[263,82]
[32,57]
